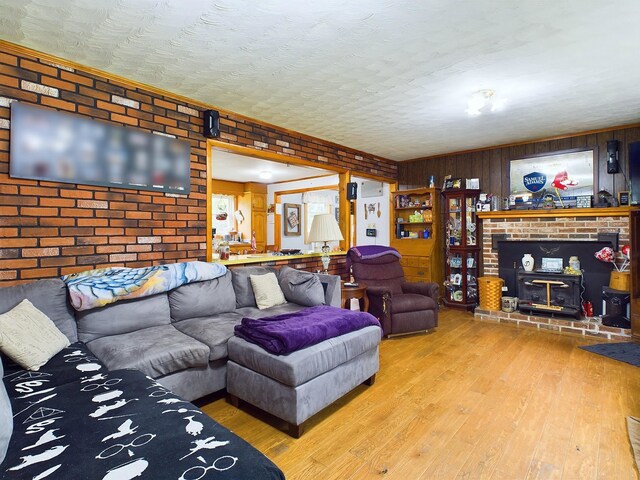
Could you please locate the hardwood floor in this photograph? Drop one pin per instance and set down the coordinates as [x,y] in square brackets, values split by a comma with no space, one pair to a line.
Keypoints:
[471,400]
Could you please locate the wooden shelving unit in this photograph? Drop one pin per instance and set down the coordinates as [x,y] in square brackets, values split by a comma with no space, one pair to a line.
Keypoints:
[421,252]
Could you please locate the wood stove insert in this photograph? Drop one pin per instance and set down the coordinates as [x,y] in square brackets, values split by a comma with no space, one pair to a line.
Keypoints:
[550,293]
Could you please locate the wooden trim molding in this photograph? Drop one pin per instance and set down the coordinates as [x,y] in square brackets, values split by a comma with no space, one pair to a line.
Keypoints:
[557,212]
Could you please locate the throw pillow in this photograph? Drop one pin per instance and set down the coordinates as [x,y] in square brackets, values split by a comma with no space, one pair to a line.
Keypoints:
[6,417]
[29,337]
[267,291]
[303,288]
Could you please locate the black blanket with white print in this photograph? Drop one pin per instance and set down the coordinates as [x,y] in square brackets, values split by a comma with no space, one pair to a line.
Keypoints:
[74,419]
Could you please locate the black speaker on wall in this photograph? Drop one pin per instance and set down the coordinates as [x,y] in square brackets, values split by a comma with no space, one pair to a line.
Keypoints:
[613,166]
[211,127]
[634,172]
[352,191]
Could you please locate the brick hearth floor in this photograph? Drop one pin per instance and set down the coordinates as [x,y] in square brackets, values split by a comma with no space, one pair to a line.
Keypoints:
[563,325]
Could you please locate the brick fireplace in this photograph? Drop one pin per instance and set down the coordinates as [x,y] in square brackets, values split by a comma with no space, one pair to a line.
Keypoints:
[550,225]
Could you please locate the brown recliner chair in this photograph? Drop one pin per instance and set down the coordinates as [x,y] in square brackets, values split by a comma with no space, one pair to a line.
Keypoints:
[401,307]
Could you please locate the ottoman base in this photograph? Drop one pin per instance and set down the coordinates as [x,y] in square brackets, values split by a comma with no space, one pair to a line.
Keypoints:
[296,404]
[294,430]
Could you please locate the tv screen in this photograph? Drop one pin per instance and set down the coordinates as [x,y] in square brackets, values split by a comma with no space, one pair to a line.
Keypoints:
[63,147]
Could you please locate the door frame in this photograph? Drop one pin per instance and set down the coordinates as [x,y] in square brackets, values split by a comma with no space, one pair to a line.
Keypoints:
[344,177]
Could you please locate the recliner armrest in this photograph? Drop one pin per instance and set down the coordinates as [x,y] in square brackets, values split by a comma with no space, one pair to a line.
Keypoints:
[380,304]
[378,291]
[428,289]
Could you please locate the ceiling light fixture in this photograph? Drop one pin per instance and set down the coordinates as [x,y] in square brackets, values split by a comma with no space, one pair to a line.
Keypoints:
[265,175]
[484,101]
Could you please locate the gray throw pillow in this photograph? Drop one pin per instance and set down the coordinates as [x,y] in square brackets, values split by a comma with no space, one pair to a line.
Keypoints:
[303,288]
[6,417]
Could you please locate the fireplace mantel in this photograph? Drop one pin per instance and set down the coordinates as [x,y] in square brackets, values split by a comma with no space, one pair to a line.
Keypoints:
[557,212]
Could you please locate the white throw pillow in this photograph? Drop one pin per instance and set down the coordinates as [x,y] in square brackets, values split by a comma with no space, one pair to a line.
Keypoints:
[29,337]
[267,290]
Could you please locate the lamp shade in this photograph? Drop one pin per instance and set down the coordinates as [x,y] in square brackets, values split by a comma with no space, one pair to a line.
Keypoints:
[324,228]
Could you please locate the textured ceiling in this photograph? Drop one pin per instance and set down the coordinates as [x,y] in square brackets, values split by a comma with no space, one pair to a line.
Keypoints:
[390,77]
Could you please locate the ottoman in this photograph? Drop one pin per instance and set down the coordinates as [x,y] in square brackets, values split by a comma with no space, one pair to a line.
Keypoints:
[296,386]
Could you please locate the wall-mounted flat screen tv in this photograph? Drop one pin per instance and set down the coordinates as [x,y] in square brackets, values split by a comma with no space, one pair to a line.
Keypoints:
[63,147]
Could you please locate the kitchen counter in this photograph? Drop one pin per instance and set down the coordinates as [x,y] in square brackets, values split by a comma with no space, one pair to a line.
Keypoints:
[269,258]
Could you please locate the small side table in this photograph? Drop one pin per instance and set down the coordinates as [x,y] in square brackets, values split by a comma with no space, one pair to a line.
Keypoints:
[359,292]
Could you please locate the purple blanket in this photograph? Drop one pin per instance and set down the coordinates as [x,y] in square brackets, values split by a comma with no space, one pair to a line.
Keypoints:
[286,333]
[370,251]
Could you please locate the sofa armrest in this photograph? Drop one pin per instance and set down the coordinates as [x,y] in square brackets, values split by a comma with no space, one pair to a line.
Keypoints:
[332,292]
[428,289]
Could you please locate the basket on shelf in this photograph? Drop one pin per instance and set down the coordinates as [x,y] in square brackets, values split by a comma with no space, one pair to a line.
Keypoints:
[490,289]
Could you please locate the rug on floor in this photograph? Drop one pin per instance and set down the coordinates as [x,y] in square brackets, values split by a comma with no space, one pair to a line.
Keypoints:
[628,352]
[633,424]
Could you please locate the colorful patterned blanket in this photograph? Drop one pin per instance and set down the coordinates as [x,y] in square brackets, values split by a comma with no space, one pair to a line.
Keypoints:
[97,288]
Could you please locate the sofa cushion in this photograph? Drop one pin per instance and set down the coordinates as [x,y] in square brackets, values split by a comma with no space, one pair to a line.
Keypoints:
[411,302]
[267,290]
[301,366]
[49,296]
[29,337]
[201,299]
[156,351]
[214,331]
[123,317]
[6,417]
[242,284]
[303,288]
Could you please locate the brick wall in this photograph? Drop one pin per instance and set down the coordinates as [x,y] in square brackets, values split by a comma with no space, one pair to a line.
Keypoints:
[545,228]
[49,229]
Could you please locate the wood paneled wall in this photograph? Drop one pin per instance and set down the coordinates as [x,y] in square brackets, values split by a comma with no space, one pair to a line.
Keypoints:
[491,165]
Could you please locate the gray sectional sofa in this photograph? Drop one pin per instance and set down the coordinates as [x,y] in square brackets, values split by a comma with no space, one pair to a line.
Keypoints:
[93,398]
[178,338]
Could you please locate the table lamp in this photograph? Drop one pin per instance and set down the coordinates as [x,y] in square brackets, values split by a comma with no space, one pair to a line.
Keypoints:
[324,228]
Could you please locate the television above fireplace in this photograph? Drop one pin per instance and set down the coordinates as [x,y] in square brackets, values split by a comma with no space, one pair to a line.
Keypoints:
[63,147]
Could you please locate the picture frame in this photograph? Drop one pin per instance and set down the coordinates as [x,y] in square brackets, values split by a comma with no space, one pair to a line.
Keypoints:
[624,198]
[291,220]
[583,201]
[472,183]
[565,174]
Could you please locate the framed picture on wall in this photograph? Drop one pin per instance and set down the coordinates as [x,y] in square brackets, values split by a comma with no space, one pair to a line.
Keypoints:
[623,198]
[291,219]
[565,175]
